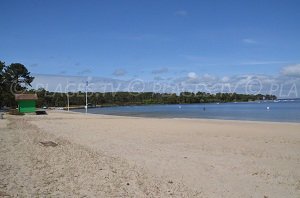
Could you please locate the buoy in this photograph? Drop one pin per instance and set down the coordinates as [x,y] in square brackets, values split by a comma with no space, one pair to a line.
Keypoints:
[268,108]
[179,107]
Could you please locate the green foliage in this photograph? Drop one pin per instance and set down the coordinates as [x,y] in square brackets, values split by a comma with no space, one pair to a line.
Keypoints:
[2,65]
[53,99]
[14,78]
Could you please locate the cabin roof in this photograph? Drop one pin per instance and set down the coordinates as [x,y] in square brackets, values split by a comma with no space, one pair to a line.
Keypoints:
[19,97]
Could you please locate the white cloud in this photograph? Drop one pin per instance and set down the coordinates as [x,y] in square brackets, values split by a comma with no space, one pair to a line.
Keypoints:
[249,41]
[262,62]
[181,13]
[119,72]
[192,75]
[208,77]
[62,83]
[291,70]
[284,86]
[225,79]
[279,85]
[160,71]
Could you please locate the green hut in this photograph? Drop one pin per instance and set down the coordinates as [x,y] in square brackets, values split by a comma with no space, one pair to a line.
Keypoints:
[26,102]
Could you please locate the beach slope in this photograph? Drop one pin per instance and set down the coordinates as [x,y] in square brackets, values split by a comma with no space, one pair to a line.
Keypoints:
[148,157]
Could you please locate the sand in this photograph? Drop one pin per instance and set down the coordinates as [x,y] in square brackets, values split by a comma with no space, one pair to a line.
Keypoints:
[114,156]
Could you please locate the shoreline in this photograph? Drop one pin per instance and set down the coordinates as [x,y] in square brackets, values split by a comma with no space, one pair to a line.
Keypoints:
[200,119]
[150,104]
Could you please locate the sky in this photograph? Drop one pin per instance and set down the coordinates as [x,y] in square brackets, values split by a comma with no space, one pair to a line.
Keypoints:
[253,44]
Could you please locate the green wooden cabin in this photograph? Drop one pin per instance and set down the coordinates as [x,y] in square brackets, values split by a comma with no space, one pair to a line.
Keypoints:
[26,102]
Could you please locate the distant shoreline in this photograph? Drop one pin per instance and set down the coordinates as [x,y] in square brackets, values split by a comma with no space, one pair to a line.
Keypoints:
[139,104]
[275,112]
[172,118]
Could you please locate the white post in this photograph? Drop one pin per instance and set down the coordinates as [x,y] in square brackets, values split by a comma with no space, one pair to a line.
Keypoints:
[68,100]
[86,103]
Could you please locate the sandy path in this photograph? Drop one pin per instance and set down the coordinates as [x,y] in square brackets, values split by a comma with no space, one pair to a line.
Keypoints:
[28,169]
[216,158]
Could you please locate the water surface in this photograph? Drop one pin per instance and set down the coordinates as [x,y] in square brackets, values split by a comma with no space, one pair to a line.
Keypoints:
[278,111]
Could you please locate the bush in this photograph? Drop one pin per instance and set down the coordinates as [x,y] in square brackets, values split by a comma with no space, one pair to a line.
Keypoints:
[15,112]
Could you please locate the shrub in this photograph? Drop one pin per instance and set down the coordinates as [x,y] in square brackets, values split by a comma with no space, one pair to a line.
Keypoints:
[15,112]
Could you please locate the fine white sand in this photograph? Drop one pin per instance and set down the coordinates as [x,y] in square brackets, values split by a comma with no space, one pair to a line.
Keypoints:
[117,156]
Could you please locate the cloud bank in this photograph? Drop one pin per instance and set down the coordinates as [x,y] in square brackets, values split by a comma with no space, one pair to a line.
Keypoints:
[282,85]
[291,70]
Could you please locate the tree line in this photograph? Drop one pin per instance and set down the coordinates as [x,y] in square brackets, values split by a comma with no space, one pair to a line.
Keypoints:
[54,99]
[16,78]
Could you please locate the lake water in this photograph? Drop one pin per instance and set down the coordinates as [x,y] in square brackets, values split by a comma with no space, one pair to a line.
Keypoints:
[279,111]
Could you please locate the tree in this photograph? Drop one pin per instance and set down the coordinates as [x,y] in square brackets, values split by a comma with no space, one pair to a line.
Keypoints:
[15,78]
[17,74]
[2,65]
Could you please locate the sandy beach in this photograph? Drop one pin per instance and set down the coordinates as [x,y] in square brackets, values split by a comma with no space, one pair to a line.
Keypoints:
[114,156]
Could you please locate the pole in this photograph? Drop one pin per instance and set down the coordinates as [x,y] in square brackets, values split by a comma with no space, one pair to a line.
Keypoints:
[68,101]
[86,103]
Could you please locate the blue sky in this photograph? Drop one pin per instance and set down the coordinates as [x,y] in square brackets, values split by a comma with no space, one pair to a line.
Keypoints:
[153,40]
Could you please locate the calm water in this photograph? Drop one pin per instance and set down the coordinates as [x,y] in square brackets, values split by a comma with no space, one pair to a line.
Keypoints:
[282,111]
